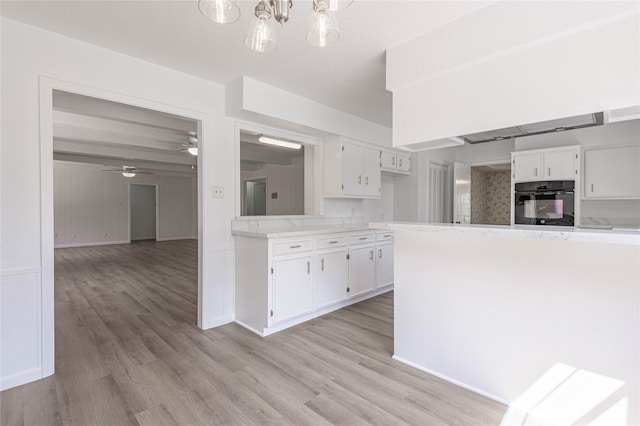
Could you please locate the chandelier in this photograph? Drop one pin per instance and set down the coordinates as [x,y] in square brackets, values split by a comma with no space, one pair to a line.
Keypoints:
[262,36]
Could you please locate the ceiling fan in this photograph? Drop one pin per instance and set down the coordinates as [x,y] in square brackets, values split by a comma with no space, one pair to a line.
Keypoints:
[128,171]
[191,146]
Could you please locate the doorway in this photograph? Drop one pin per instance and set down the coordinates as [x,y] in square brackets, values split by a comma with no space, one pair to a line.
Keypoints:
[113,151]
[256,197]
[144,212]
[482,193]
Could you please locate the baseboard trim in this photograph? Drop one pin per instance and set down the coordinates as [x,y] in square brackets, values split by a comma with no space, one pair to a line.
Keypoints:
[450,380]
[216,322]
[20,378]
[101,243]
[315,314]
[176,238]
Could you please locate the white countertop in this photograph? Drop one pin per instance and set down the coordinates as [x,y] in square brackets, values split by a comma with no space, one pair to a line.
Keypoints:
[299,231]
[616,236]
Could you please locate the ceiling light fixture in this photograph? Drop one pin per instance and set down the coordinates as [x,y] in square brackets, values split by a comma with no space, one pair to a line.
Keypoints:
[262,35]
[193,150]
[279,142]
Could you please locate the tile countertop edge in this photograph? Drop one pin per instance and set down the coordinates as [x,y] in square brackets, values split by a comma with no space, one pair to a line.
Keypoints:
[302,231]
[524,231]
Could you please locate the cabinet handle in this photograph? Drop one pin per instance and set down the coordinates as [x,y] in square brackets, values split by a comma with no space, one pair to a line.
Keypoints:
[393,161]
[322,264]
[591,187]
[549,171]
[359,180]
[333,242]
[298,246]
[535,172]
[362,238]
[401,162]
[371,255]
[308,267]
[366,180]
[380,253]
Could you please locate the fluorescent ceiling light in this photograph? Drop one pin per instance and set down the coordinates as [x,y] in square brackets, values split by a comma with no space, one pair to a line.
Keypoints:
[278,142]
[193,150]
[128,174]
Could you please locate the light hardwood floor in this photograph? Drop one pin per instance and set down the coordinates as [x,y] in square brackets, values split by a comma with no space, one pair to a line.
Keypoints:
[128,352]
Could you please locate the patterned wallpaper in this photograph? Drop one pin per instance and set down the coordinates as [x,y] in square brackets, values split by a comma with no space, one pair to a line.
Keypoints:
[490,197]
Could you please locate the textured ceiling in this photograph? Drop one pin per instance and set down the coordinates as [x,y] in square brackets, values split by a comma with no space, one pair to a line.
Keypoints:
[349,76]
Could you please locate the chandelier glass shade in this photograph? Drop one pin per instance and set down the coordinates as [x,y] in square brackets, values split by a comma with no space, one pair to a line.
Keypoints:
[323,25]
[220,11]
[262,35]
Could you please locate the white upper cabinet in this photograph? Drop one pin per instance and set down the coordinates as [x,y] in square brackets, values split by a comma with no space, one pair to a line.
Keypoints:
[395,161]
[612,172]
[527,167]
[560,164]
[351,169]
[546,164]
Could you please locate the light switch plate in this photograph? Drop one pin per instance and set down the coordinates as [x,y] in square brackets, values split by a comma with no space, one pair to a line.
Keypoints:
[218,191]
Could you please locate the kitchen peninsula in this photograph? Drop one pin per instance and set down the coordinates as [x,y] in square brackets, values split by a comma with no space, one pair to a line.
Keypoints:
[545,320]
[291,273]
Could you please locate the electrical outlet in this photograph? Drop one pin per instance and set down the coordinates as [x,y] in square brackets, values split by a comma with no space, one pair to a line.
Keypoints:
[218,191]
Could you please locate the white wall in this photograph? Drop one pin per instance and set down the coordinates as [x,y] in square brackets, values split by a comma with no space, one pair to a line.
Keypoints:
[27,352]
[92,207]
[286,181]
[515,63]
[475,308]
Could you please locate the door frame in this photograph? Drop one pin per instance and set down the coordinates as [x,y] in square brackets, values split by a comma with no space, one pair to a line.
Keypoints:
[157,208]
[47,314]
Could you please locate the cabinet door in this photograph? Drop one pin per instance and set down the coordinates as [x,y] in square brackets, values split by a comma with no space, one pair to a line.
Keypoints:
[384,265]
[404,163]
[527,167]
[612,172]
[333,273]
[559,165]
[352,176]
[372,172]
[388,160]
[292,288]
[362,272]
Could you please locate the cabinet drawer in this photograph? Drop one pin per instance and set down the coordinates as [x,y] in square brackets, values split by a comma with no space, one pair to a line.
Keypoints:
[384,236]
[290,247]
[362,238]
[332,242]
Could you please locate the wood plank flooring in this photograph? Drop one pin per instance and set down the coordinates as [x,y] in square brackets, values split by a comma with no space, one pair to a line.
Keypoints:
[128,352]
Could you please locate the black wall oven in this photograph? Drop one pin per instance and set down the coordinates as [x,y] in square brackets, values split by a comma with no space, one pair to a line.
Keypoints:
[545,203]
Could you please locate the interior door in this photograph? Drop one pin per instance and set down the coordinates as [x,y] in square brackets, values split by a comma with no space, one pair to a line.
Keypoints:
[143,212]
[461,193]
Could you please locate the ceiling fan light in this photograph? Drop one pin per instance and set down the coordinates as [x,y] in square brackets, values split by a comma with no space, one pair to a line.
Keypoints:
[220,11]
[128,174]
[323,25]
[335,5]
[262,36]
[277,142]
[193,150]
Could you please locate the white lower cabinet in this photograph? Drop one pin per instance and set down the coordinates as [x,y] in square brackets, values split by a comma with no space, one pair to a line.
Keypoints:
[292,288]
[384,264]
[362,270]
[332,276]
[283,281]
